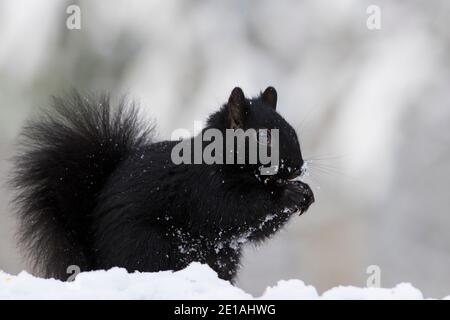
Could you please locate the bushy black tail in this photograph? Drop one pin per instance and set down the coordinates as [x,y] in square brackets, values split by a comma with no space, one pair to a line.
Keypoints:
[65,158]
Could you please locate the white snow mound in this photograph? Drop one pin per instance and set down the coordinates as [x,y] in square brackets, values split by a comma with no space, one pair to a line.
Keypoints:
[197,281]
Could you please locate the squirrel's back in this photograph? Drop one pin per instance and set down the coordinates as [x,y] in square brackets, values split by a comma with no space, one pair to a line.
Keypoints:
[65,159]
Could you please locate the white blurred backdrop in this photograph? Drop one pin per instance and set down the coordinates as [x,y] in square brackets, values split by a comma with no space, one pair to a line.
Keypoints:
[372,108]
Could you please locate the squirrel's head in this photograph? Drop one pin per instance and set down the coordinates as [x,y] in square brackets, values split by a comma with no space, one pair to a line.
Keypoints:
[273,132]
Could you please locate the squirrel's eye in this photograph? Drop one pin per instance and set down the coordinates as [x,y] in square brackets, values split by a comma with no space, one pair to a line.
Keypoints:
[264,136]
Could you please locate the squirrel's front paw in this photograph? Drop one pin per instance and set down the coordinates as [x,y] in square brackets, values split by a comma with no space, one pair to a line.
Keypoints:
[297,196]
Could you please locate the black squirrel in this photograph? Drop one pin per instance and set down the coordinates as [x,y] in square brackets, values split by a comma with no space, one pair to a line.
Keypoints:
[95,190]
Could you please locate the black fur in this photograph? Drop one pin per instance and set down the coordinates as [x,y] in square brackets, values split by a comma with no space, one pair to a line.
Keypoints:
[97,192]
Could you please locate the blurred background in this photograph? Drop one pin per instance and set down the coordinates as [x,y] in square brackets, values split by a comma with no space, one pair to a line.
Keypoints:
[372,108]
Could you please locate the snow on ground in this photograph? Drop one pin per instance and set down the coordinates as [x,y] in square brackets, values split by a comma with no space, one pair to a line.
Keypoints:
[197,281]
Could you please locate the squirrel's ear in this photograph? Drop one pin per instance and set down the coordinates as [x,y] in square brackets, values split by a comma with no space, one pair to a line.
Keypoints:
[235,107]
[269,96]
